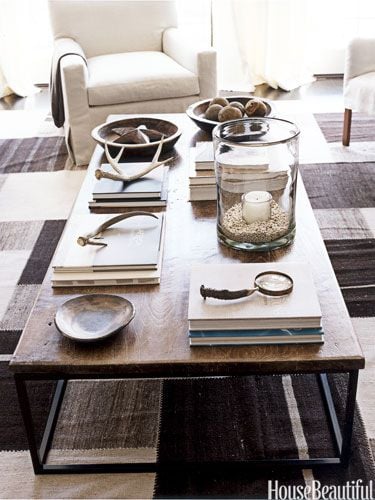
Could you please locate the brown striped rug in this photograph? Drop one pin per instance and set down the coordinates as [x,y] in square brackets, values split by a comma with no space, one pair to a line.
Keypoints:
[331,124]
[248,418]
[34,154]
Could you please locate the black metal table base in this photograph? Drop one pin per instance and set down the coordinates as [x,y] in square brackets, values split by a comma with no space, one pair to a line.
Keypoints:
[39,455]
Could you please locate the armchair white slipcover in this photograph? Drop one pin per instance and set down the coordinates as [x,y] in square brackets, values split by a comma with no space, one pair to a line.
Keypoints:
[123,56]
[359,81]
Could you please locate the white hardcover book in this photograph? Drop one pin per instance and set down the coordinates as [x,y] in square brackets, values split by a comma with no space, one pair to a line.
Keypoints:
[203,155]
[111,278]
[200,177]
[202,193]
[204,158]
[252,171]
[246,159]
[148,186]
[106,278]
[299,309]
[132,243]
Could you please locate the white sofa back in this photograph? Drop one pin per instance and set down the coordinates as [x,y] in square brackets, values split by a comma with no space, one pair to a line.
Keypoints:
[113,26]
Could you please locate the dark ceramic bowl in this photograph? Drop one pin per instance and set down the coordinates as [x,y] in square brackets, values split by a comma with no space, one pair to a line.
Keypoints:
[104,132]
[196,111]
[89,318]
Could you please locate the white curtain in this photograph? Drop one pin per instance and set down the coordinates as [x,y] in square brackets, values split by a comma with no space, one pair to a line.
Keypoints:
[16,48]
[262,41]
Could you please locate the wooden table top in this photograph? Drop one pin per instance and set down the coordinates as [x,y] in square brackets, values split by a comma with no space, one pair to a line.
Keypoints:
[156,342]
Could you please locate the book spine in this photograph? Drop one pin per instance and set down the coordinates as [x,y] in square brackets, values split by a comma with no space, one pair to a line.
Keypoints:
[119,282]
[205,166]
[255,333]
[128,204]
[212,343]
[249,324]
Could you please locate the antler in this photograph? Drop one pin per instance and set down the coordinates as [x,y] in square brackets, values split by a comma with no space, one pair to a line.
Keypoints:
[87,239]
[120,174]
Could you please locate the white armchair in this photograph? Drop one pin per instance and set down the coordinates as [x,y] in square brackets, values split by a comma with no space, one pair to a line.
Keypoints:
[122,56]
[359,82]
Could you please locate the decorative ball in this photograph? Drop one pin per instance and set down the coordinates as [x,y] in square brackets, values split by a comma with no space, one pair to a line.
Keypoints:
[255,107]
[219,100]
[229,113]
[212,112]
[238,105]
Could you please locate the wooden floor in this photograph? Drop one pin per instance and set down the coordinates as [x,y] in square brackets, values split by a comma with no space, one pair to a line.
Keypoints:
[321,87]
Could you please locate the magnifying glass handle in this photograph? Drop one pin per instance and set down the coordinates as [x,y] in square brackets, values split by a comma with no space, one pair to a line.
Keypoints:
[226,294]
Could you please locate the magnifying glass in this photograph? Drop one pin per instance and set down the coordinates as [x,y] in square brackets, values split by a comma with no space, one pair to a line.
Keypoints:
[271,283]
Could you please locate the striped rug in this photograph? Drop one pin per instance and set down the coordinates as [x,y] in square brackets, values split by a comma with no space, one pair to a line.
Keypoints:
[156,420]
[247,418]
[34,154]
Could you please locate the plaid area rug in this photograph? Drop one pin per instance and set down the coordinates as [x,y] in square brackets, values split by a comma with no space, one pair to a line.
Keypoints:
[153,420]
[34,154]
[363,127]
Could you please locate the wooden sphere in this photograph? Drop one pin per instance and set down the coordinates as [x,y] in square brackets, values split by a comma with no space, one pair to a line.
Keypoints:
[219,100]
[255,107]
[238,105]
[212,112]
[229,113]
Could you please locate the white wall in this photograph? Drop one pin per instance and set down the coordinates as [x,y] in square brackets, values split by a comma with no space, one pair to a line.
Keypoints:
[332,24]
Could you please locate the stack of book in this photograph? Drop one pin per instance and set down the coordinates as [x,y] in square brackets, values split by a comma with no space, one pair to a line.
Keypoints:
[258,319]
[148,191]
[133,254]
[202,182]
[245,170]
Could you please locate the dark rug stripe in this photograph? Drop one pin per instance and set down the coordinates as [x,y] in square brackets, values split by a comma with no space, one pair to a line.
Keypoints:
[114,414]
[354,265]
[227,484]
[331,124]
[42,253]
[12,435]
[340,185]
[217,411]
[9,341]
[317,432]
[315,423]
[360,302]
[221,419]
[361,465]
[189,429]
[34,154]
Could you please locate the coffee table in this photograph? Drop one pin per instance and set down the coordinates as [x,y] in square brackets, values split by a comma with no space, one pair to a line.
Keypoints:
[155,345]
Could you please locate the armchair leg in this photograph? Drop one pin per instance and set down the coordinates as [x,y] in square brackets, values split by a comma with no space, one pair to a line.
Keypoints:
[347,127]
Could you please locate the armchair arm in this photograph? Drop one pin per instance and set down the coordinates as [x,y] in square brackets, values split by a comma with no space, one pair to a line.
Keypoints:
[198,60]
[360,58]
[68,75]
[70,106]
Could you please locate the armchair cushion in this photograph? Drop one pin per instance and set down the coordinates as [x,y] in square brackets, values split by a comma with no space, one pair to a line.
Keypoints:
[137,76]
[359,93]
[360,58]
[178,45]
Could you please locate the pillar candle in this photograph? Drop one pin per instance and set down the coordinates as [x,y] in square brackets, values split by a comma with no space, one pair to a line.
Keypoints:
[256,206]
